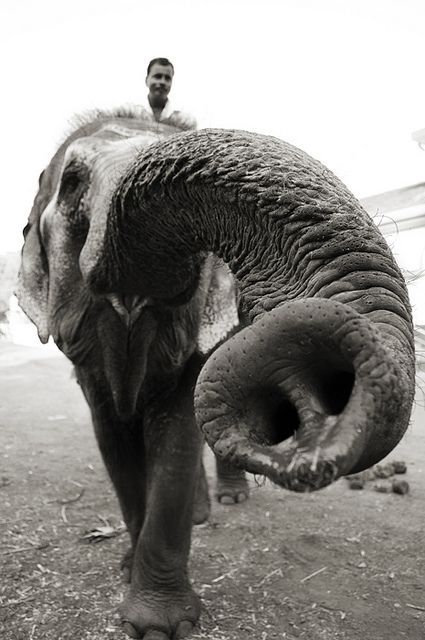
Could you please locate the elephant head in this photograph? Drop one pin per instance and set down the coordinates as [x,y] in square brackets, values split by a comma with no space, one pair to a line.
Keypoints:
[321,383]
[108,336]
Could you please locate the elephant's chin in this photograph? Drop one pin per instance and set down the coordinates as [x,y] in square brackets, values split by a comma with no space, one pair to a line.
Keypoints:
[301,395]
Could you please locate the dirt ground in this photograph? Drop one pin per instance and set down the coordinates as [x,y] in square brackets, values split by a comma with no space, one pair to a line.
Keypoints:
[334,565]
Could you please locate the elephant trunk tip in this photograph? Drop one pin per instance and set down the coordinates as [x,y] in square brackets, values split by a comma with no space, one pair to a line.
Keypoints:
[289,464]
[303,396]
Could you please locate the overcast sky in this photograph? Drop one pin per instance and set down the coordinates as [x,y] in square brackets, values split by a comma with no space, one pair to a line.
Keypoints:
[343,79]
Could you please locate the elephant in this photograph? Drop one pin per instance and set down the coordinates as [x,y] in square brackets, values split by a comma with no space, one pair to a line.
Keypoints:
[216,282]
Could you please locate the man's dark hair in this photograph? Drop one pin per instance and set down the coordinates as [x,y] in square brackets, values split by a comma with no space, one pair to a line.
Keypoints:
[162,61]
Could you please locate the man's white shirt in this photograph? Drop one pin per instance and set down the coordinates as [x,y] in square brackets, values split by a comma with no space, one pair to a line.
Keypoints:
[171,115]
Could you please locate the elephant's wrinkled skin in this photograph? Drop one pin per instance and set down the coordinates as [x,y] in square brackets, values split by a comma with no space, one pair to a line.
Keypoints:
[117,266]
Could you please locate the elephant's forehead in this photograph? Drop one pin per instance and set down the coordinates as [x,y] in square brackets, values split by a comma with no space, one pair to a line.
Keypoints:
[107,157]
[114,130]
[108,143]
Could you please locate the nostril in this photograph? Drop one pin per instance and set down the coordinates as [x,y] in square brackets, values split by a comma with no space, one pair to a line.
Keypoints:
[335,390]
[285,421]
[272,414]
[274,418]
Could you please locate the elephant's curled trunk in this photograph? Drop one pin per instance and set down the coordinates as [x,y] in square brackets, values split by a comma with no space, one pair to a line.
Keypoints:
[322,382]
[311,401]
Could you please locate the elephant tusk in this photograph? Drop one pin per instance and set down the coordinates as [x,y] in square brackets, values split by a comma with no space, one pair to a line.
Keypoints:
[128,308]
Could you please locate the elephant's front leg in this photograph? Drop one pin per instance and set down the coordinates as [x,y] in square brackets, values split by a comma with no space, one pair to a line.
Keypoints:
[122,446]
[123,451]
[161,603]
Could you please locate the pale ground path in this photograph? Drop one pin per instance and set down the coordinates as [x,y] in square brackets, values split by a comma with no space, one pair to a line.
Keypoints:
[333,565]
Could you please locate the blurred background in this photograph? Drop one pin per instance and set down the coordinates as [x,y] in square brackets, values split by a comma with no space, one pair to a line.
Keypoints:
[342,79]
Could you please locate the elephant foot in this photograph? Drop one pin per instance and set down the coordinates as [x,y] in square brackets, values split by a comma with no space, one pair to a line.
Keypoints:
[201,511]
[127,564]
[232,488]
[157,615]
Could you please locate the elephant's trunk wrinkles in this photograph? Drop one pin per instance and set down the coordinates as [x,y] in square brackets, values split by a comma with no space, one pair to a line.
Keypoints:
[321,385]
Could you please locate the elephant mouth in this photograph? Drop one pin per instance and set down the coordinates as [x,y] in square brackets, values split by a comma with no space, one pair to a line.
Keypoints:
[304,412]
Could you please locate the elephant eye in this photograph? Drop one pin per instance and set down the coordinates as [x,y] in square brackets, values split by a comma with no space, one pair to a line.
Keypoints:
[26,229]
[74,182]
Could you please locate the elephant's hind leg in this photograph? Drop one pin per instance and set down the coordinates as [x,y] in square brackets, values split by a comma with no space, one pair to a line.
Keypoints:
[232,485]
[202,503]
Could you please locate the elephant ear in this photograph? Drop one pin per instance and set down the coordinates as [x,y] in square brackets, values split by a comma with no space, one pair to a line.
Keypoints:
[220,314]
[33,278]
[33,281]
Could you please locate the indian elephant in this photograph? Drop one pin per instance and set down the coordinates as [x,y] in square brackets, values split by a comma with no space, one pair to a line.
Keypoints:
[120,265]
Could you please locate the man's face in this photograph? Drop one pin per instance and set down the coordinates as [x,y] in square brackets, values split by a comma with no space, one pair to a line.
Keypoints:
[159,81]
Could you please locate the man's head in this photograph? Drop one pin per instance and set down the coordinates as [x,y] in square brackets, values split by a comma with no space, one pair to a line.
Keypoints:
[159,80]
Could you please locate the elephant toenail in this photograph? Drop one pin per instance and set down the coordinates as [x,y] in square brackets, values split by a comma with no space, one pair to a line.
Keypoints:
[128,628]
[241,497]
[227,500]
[184,629]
